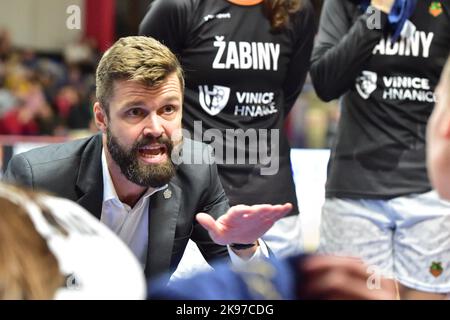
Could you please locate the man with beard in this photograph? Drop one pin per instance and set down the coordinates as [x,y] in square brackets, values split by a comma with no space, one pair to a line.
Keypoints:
[125,176]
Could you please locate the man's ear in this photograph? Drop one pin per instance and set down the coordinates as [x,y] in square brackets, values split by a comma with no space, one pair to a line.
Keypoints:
[101,119]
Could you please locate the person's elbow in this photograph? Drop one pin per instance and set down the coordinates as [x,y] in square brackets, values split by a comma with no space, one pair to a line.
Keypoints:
[324,90]
[324,93]
[324,87]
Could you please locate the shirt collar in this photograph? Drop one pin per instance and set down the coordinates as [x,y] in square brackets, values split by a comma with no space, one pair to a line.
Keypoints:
[109,192]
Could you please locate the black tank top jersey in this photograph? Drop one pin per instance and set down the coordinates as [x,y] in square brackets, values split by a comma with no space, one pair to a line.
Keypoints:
[239,75]
[387,96]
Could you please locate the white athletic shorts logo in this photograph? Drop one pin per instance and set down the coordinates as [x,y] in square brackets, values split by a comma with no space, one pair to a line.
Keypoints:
[366,84]
[213,101]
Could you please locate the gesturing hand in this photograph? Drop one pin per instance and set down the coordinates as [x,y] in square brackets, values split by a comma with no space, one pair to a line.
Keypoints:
[243,224]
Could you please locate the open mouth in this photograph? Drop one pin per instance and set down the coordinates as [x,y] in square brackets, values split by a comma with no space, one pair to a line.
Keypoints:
[153,152]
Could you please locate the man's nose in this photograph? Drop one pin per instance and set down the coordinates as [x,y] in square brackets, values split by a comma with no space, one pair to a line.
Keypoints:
[153,127]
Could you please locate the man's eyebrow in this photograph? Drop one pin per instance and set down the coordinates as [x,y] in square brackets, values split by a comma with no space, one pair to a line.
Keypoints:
[141,102]
[171,98]
[133,102]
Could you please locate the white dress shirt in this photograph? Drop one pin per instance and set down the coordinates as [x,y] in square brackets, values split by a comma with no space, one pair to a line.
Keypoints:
[130,224]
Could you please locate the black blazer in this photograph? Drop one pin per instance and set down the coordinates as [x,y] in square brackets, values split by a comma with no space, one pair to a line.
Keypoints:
[73,170]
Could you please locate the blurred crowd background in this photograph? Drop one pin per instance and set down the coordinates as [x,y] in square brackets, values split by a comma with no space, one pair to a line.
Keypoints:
[47,78]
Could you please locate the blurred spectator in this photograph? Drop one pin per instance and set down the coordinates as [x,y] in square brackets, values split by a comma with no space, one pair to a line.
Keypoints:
[66,99]
[46,95]
[7,99]
[18,121]
[78,52]
[29,59]
[5,43]
[334,114]
[82,53]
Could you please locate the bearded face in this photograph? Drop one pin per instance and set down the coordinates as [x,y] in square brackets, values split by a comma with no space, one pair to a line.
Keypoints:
[143,173]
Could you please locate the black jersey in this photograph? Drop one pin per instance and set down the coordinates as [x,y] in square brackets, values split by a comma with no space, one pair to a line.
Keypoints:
[239,75]
[387,95]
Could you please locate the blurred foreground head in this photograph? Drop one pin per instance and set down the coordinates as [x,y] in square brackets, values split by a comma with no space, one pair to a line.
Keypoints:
[28,269]
[51,248]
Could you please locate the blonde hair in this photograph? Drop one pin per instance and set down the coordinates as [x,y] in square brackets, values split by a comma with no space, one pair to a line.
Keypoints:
[279,11]
[137,58]
[28,269]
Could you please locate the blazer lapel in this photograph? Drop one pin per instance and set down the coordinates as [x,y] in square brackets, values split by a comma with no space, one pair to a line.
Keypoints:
[90,177]
[164,208]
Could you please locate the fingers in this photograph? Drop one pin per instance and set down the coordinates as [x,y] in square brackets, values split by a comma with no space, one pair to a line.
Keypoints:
[269,207]
[268,212]
[323,263]
[339,284]
[343,286]
[207,222]
[272,213]
[243,223]
[282,210]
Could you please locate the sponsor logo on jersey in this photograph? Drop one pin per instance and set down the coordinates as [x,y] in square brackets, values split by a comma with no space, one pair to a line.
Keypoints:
[418,44]
[436,269]
[408,88]
[245,55]
[255,104]
[366,84]
[435,9]
[399,88]
[214,100]
[248,104]
[208,17]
